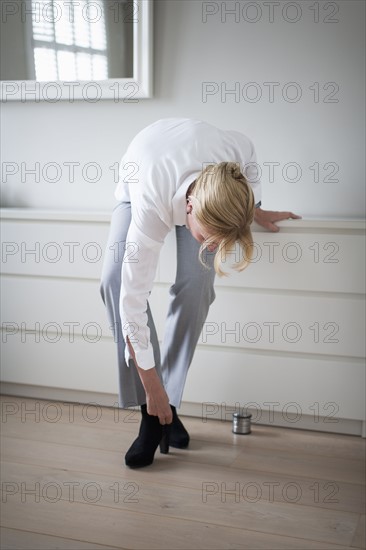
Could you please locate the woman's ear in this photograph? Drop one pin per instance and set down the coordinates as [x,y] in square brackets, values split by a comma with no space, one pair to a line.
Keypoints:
[189,206]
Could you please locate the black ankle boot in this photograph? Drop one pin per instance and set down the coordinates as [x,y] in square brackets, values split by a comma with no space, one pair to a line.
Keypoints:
[179,437]
[151,434]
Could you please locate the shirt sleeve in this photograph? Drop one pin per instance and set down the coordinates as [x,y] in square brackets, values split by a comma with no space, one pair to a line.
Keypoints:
[138,273]
[150,224]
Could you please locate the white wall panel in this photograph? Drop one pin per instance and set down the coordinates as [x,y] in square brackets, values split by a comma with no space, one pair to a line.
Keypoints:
[53,248]
[52,300]
[233,378]
[323,387]
[279,333]
[250,320]
[296,258]
[77,364]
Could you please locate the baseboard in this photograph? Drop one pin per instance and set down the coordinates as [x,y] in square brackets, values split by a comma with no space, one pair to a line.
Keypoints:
[204,411]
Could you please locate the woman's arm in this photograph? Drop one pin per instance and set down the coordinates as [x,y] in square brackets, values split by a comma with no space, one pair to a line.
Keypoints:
[138,273]
[156,398]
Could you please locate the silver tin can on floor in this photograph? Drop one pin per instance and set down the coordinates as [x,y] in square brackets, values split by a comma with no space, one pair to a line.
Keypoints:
[242,423]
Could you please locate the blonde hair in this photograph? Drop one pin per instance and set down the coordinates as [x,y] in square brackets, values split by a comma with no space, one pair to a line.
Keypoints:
[224,204]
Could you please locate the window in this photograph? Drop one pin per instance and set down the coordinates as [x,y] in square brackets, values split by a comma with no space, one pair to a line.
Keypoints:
[69,40]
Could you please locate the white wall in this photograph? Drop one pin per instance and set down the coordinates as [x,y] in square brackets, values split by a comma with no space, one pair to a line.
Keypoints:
[189,52]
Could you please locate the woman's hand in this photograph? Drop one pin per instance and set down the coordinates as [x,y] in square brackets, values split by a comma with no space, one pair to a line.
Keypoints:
[267,218]
[158,404]
[157,401]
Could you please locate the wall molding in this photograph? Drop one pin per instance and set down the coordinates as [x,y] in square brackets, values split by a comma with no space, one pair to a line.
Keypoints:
[205,411]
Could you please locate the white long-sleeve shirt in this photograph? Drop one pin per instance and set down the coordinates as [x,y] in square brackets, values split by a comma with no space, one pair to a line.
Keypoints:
[155,173]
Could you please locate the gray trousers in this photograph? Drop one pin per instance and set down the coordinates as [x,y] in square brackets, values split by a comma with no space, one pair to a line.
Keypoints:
[190,298]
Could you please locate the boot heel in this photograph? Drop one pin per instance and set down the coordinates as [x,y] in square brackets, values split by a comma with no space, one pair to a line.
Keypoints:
[164,443]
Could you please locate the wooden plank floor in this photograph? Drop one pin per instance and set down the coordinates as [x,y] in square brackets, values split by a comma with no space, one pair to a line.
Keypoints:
[64,485]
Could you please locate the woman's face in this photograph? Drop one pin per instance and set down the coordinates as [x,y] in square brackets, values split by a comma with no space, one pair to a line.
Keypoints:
[198,232]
